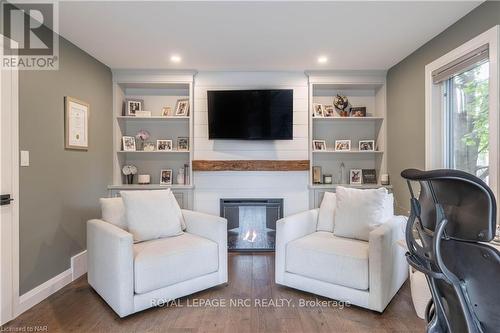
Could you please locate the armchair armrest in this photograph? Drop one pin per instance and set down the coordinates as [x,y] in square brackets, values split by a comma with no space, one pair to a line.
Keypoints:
[111,265]
[211,227]
[289,229]
[387,262]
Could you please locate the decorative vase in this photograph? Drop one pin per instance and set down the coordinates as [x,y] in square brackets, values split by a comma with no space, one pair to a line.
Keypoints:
[180,176]
[130,179]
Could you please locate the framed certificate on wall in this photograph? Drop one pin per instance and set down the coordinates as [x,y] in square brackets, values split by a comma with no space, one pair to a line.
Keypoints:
[76,124]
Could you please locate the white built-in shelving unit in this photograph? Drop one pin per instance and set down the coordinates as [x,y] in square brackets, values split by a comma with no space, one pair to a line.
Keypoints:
[157,89]
[366,89]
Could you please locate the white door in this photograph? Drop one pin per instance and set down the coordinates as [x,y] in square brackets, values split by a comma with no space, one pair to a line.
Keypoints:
[9,187]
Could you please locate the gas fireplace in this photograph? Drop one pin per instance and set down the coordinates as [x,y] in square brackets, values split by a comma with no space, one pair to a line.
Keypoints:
[251,223]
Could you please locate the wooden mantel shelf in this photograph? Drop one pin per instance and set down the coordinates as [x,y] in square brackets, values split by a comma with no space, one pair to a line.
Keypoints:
[251,165]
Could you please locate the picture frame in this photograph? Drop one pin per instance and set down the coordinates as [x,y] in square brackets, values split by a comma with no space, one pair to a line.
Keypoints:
[164,145]
[329,111]
[183,144]
[133,105]
[128,143]
[166,177]
[319,145]
[76,124]
[182,108]
[149,146]
[166,111]
[318,110]
[356,177]
[369,176]
[366,145]
[357,111]
[342,145]
[316,173]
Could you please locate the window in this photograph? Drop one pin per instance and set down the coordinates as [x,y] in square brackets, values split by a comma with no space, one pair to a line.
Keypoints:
[466,117]
[462,109]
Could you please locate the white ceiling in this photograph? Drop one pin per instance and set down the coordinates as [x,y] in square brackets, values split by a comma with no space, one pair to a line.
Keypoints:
[255,35]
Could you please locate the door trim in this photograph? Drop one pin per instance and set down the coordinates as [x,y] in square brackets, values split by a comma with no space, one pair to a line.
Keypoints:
[13,294]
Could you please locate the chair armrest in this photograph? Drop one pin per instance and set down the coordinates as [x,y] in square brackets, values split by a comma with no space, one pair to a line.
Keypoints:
[289,229]
[211,227]
[387,262]
[110,258]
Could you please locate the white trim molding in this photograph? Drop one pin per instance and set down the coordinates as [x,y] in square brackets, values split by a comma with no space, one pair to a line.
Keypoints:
[43,291]
[434,115]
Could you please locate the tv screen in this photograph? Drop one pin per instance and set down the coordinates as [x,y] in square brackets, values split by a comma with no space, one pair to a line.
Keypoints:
[250,114]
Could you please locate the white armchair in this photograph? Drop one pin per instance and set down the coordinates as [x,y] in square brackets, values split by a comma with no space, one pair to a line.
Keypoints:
[133,277]
[366,274]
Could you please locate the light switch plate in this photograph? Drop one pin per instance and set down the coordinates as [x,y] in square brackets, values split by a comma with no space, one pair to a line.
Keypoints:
[25,158]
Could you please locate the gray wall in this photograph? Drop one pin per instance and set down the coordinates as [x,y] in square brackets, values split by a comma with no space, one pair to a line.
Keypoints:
[406,95]
[59,191]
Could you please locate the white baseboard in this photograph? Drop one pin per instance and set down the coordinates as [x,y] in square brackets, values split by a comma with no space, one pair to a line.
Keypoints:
[79,265]
[38,294]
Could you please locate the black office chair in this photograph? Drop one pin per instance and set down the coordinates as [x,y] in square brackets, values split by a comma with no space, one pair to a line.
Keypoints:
[454,215]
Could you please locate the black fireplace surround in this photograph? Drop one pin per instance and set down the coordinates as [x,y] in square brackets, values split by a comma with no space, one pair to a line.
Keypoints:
[251,223]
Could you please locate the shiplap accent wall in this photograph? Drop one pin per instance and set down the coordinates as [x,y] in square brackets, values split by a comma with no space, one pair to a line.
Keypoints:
[211,186]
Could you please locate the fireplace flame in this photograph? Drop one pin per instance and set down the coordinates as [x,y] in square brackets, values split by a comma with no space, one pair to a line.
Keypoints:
[250,236]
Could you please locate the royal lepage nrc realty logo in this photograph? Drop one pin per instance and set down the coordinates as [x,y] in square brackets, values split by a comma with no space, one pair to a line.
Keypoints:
[33,28]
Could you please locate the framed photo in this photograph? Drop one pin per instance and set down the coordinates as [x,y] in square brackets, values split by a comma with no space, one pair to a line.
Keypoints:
[182,108]
[342,145]
[367,145]
[317,110]
[76,124]
[355,177]
[319,145]
[369,176]
[132,106]
[128,143]
[359,111]
[149,146]
[316,175]
[164,145]
[329,111]
[166,177]
[166,111]
[183,144]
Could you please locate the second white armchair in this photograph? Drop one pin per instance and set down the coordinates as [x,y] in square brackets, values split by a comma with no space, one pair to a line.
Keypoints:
[363,273]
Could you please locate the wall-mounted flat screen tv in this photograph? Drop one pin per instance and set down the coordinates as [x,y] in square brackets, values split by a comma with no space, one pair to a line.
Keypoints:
[250,114]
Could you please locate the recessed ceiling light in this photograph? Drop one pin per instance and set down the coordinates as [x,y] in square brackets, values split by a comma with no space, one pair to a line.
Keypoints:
[175,58]
[322,59]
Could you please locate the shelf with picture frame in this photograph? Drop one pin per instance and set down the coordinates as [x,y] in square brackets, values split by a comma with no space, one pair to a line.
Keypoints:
[148,102]
[363,89]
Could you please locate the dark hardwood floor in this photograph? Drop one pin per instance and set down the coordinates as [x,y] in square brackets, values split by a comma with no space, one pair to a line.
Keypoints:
[77,308]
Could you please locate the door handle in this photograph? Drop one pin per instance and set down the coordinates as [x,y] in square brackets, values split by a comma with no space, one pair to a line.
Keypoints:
[5,199]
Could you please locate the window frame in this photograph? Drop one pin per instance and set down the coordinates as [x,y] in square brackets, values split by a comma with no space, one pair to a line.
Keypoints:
[436,133]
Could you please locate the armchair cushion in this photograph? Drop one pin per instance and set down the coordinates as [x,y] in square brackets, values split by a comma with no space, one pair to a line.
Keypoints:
[323,256]
[113,212]
[359,211]
[326,217]
[163,262]
[151,214]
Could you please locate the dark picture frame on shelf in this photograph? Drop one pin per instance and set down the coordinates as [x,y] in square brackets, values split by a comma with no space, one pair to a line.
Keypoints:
[132,105]
[319,145]
[369,176]
[182,107]
[357,111]
[316,171]
[183,144]
[366,145]
[166,177]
